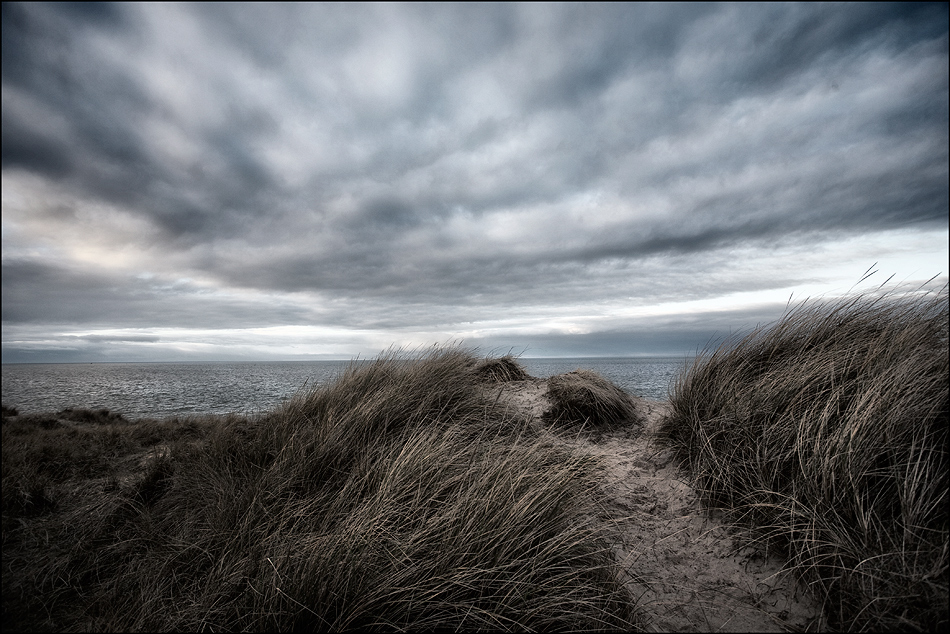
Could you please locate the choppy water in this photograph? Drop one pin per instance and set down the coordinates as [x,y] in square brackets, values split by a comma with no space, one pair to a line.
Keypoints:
[167,389]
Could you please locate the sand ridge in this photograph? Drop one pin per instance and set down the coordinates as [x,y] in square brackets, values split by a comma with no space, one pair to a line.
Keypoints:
[690,571]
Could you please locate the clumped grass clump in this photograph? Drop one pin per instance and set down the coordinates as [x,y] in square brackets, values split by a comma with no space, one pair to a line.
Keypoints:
[95,416]
[828,432]
[502,370]
[585,398]
[398,497]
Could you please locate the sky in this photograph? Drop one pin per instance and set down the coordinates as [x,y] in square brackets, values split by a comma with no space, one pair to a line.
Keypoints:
[275,182]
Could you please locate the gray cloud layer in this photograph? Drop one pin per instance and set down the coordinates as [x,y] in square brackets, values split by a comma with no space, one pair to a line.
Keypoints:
[397,165]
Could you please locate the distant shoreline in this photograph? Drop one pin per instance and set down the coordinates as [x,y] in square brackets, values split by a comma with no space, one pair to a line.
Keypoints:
[686,357]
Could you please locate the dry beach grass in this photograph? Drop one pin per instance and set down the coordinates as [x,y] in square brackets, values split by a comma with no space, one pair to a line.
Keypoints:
[789,484]
[402,496]
[827,433]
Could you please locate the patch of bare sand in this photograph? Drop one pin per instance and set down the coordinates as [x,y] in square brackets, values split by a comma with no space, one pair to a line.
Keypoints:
[689,570]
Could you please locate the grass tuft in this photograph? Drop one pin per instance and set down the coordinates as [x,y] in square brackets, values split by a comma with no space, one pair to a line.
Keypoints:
[501,370]
[94,416]
[584,398]
[827,432]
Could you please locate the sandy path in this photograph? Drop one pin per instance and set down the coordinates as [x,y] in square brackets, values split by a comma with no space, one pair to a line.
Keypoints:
[689,572]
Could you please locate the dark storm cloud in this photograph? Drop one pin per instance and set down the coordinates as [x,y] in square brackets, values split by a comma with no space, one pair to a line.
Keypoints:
[74,96]
[788,40]
[72,112]
[25,40]
[426,161]
[26,148]
[39,293]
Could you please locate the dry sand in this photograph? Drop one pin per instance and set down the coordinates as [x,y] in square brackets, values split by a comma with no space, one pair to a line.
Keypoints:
[690,571]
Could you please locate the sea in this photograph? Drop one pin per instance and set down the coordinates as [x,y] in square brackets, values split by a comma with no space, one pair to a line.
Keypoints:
[160,390]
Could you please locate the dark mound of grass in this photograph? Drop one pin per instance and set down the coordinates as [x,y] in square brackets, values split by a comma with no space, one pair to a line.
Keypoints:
[94,416]
[828,432]
[56,478]
[399,497]
[585,398]
[39,448]
[68,415]
[501,370]
[42,457]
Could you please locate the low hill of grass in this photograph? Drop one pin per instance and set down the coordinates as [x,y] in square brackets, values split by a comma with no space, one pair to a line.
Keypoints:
[827,433]
[401,496]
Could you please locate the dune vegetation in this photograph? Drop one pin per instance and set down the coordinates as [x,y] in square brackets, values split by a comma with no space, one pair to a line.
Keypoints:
[401,496]
[408,494]
[584,399]
[827,433]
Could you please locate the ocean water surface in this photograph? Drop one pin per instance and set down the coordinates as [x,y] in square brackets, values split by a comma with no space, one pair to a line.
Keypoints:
[141,390]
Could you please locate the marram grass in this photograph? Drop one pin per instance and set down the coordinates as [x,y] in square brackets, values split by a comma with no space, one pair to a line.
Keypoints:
[827,432]
[400,497]
[583,398]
